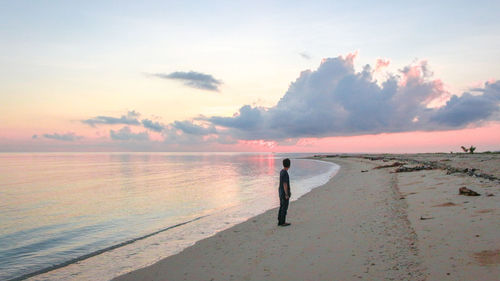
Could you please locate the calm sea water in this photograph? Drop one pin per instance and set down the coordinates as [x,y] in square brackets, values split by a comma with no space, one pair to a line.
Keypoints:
[103,214]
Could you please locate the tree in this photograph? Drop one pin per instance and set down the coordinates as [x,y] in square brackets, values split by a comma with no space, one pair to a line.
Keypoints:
[471,149]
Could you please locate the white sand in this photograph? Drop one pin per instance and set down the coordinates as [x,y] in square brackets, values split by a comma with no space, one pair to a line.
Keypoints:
[461,241]
[359,226]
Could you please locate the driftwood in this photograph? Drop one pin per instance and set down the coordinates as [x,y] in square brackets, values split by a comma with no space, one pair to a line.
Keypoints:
[404,169]
[395,164]
[426,218]
[467,192]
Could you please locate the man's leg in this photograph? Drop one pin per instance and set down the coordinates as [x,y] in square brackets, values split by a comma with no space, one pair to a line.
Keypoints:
[282,211]
[285,209]
[279,212]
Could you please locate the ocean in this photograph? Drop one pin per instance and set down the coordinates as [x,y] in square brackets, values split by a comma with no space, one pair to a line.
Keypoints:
[71,216]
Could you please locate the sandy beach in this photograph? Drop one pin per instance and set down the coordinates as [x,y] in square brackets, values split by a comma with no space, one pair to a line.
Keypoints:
[366,223]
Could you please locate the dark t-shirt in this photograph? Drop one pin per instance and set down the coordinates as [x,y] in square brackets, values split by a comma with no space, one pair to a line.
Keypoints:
[284,178]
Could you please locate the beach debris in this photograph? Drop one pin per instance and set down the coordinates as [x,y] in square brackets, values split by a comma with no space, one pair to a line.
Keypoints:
[404,169]
[484,211]
[425,218]
[451,170]
[440,164]
[470,171]
[395,164]
[489,194]
[410,193]
[364,171]
[467,192]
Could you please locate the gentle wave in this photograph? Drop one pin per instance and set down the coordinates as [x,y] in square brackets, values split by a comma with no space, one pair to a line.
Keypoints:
[98,252]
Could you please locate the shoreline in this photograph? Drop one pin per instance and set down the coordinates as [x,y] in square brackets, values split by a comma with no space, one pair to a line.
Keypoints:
[98,252]
[364,223]
[77,268]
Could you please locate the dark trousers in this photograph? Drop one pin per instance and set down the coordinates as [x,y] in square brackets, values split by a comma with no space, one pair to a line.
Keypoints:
[283,208]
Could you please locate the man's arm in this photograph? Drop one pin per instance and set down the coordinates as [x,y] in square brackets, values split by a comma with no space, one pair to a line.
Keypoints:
[287,190]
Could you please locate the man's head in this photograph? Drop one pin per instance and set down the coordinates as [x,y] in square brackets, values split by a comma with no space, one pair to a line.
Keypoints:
[286,163]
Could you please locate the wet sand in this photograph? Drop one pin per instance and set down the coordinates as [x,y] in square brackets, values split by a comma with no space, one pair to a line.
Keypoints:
[364,224]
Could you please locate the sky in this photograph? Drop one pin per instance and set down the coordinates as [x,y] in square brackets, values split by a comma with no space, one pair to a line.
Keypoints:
[282,76]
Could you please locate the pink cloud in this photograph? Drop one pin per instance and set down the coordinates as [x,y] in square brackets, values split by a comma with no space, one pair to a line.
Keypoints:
[413,74]
[381,63]
[351,56]
[440,95]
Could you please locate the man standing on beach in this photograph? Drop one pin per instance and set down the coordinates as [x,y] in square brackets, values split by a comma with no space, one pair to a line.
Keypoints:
[284,193]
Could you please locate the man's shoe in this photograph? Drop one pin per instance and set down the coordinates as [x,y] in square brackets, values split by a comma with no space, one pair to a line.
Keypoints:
[285,224]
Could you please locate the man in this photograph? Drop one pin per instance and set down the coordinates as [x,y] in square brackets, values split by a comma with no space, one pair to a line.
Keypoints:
[284,193]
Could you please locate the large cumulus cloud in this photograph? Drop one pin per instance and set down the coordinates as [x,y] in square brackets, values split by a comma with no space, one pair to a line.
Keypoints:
[337,100]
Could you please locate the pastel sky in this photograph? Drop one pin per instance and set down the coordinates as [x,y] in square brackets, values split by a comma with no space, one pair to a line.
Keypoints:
[284,76]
